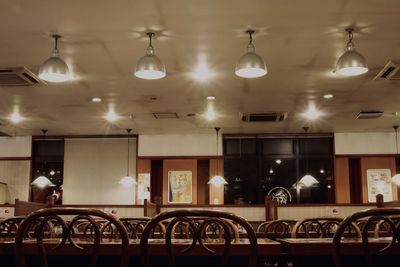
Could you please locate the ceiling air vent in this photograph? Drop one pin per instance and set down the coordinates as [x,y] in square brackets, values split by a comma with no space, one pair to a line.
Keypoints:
[19,76]
[369,114]
[165,115]
[391,71]
[264,117]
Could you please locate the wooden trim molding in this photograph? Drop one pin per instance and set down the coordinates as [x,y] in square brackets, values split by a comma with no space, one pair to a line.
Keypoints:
[14,158]
[179,157]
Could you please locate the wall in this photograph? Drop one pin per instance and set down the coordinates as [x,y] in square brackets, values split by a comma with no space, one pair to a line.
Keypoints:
[15,166]
[93,169]
[15,147]
[179,145]
[365,143]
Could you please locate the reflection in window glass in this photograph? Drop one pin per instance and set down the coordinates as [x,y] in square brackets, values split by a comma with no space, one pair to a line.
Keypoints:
[276,167]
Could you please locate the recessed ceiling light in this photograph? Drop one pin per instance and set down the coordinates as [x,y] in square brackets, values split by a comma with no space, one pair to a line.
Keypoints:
[15,117]
[312,113]
[278,161]
[210,97]
[96,99]
[111,116]
[210,113]
[328,96]
[202,71]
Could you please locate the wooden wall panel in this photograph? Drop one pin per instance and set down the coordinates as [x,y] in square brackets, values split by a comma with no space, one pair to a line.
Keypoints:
[143,166]
[342,182]
[376,163]
[216,192]
[179,165]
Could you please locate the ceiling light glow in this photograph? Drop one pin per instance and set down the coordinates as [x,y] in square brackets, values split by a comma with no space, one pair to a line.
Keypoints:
[16,117]
[202,71]
[111,116]
[328,96]
[96,99]
[312,113]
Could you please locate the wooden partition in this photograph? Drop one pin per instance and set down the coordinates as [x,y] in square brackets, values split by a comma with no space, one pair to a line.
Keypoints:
[23,208]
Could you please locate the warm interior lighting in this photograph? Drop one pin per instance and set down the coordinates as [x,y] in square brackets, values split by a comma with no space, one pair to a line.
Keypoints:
[328,96]
[111,116]
[128,180]
[210,114]
[42,182]
[202,71]
[150,67]
[312,113]
[251,65]
[217,180]
[308,180]
[351,63]
[278,161]
[96,99]
[16,117]
[55,69]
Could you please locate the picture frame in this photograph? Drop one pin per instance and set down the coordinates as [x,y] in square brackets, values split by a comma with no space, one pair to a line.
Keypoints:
[180,187]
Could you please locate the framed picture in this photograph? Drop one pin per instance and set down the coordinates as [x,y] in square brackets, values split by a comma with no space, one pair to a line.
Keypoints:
[179,187]
[379,182]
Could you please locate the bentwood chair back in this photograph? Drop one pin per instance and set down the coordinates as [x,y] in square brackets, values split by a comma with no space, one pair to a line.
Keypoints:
[9,227]
[207,228]
[376,252]
[64,222]
[321,227]
[277,228]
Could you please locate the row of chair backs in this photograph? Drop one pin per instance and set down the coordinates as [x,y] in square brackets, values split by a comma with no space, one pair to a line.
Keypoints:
[200,224]
[372,219]
[39,221]
[94,227]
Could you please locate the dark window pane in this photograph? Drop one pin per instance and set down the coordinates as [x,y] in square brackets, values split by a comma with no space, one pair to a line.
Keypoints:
[278,146]
[240,146]
[316,146]
[232,146]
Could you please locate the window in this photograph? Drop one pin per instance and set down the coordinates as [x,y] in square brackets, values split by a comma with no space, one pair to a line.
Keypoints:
[258,166]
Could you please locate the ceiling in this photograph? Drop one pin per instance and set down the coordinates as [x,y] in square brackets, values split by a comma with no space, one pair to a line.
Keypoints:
[102,40]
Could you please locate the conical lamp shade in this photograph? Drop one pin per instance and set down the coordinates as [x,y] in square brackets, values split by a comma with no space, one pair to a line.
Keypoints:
[42,182]
[396,179]
[217,181]
[127,181]
[308,180]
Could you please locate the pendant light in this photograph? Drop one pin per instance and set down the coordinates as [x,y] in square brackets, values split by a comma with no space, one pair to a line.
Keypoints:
[217,180]
[150,67]
[351,63]
[55,69]
[128,180]
[307,180]
[251,65]
[42,181]
[396,177]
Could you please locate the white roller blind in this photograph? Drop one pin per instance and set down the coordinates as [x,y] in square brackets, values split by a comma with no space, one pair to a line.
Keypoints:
[93,168]
[15,174]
